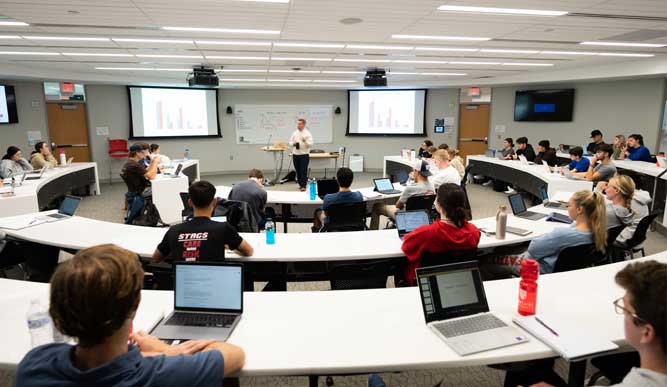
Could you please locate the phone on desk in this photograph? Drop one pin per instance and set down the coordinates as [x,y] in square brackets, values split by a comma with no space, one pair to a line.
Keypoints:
[509,229]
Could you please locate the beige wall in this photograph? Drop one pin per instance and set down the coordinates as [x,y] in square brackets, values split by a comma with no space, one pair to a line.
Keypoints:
[30,118]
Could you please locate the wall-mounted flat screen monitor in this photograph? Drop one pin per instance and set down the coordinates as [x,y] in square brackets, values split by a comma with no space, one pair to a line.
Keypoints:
[544,105]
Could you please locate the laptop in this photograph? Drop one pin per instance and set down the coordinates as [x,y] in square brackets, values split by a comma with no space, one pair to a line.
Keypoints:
[176,172]
[407,221]
[546,167]
[519,208]
[544,195]
[37,177]
[455,308]
[490,153]
[208,301]
[568,174]
[499,155]
[219,219]
[384,186]
[67,208]
[326,186]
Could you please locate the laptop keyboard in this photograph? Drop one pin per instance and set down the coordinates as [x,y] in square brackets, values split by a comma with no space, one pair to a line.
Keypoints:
[201,320]
[466,326]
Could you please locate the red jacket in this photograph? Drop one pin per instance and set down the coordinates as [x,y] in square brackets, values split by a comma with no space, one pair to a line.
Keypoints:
[438,237]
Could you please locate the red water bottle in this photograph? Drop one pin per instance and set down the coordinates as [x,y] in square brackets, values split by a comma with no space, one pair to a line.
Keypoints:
[530,270]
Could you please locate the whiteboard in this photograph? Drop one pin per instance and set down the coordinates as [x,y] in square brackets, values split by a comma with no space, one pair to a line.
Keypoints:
[255,123]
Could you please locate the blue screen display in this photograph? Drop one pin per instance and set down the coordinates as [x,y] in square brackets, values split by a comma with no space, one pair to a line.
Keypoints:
[544,107]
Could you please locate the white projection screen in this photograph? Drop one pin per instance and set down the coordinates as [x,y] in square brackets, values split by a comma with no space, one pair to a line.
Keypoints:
[159,112]
[386,112]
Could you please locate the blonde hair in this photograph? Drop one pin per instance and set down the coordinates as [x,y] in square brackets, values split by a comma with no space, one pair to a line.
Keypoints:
[625,186]
[596,215]
[621,141]
[441,154]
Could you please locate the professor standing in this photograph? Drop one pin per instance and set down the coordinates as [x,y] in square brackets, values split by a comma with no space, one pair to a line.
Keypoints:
[301,142]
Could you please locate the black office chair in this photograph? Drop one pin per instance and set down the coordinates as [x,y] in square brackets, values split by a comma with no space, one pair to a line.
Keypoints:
[636,243]
[614,253]
[346,217]
[187,211]
[464,187]
[420,202]
[435,259]
[579,257]
[363,275]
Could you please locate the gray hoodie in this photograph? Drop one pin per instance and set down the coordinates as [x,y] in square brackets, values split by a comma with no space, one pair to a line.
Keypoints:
[619,215]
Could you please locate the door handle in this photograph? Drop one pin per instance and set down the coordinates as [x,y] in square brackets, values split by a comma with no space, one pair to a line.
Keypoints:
[70,145]
[484,140]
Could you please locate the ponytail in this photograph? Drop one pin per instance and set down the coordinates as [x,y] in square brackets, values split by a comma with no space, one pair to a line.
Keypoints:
[451,199]
[596,215]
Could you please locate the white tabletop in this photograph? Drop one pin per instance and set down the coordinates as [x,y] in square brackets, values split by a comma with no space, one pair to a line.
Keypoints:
[643,167]
[359,331]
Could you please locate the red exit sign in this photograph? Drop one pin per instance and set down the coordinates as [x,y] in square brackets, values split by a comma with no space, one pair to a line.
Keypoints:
[66,88]
[474,92]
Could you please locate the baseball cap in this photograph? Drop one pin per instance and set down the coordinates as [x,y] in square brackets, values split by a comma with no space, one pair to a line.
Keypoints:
[136,148]
[596,133]
[423,168]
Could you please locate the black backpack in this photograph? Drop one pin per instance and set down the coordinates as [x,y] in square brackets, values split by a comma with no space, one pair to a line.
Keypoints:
[149,215]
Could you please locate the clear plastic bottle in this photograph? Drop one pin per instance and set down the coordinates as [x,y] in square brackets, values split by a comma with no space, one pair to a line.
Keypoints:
[530,270]
[186,155]
[39,324]
[270,231]
[501,222]
[63,158]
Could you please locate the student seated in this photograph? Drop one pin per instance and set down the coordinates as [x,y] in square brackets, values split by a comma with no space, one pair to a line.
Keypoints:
[635,150]
[619,146]
[443,146]
[344,176]
[586,209]
[592,147]
[423,148]
[546,153]
[452,232]
[155,151]
[644,324]
[137,175]
[525,149]
[41,156]
[422,186]
[445,172]
[508,148]
[13,163]
[578,162]
[456,161]
[201,238]
[252,192]
[94,299]
[602,172]
[625,206]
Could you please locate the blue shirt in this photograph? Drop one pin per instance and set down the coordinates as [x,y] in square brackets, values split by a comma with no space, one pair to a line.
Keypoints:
[51,365]
[342,197]
[545,249]
[639,154]
[580,166]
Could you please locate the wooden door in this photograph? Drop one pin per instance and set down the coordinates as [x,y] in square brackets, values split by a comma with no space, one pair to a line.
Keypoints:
[473,129]
[68,130]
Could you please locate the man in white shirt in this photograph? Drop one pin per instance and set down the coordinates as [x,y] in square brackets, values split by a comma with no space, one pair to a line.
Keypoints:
[301,142]
[445,172]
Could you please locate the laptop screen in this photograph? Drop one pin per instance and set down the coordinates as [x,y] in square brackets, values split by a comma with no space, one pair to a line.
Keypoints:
[208,287]
[69,205]
[543,193]
[383,184]
[450,291]
[220,219]
[178,169]
[517,204]
[406,221]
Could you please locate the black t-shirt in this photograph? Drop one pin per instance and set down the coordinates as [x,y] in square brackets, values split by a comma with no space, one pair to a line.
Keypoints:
[593,147]
[134,176]
[200,239]
[528,152]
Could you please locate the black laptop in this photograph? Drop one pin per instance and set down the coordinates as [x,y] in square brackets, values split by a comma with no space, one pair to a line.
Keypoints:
[67,209]
[384,186]
[519,208]
[545,200]
[326,186]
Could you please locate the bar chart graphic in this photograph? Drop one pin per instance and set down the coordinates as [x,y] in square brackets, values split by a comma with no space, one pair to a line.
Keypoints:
[387,111]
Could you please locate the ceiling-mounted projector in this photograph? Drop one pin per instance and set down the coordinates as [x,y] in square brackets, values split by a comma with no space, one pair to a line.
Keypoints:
[202,76]
[375,77]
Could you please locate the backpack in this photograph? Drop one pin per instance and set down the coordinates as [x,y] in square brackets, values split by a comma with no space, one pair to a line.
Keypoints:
[149,215]
[238,215]
[291,176]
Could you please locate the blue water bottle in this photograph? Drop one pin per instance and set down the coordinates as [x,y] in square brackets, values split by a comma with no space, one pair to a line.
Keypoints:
[186,156]
[313,189]
[270,231]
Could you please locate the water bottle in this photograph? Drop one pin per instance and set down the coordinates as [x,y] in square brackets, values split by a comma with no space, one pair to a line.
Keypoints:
[501,222]
[270,231]
[39,324]
[63,158]
[186,155]
[313,189]
[530,270]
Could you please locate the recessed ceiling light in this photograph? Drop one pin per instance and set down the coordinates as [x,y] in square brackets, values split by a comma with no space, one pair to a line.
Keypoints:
[625,54]
[474,63]
[362,60]
[290,80]
[342,72]
[445,74]
[377,47]
[296,71]
[624,44]
[10,37]
[437,37]
[526,64]
[68,38]
[168,56]
[132,40]
[504,11]
[335,80]
[308,45]
[400,73]
[243,79]
[237,57]
[422,61]
[222,30]
[165,69]
[13,23]
[241,70]
[454,49]
[350,20]
[493,50]
[568,53]
[95,54]
[232,43]
[300,58]
[28,53]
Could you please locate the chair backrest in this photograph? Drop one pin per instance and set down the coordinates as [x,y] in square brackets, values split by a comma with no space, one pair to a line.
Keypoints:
[187,208]
[467,172]
[642,228]
[579,257]
[420,202]
[117,147]
[346,217]
[613,233]
[238,214]
[363,275]
[446,257]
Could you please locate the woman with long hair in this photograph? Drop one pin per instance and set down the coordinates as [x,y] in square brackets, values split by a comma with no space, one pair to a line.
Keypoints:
[626,206]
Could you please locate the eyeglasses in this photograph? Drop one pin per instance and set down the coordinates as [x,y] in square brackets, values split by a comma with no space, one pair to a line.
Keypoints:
[621,309]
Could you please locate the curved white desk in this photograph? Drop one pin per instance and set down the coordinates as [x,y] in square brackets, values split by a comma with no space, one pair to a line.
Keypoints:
[34,195]
[356,331]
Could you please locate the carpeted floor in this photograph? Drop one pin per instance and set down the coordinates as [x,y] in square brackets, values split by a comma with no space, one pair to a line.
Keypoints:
[109,207]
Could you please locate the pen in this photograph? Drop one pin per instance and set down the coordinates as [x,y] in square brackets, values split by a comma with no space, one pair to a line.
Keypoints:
[32,221]
[546,326]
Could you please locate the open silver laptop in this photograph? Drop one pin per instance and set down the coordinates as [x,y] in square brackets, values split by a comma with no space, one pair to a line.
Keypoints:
[455,308]
[208,301]
[34,175]
[407,221]
[568,174]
